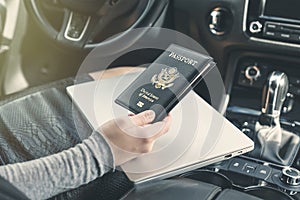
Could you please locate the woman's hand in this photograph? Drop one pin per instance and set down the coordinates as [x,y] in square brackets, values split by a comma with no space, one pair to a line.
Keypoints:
[131,136]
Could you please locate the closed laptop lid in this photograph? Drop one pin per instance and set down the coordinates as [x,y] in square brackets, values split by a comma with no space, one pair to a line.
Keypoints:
[198,136]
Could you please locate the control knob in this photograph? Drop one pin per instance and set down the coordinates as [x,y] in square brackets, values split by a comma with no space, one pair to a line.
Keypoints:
[290,176]
[252,73]
[255,27]
[220,21]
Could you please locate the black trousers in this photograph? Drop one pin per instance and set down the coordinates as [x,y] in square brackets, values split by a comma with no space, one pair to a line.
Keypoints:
[39,122]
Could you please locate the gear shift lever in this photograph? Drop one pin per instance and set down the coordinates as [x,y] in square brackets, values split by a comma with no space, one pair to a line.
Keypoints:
[272,143]
[274,94]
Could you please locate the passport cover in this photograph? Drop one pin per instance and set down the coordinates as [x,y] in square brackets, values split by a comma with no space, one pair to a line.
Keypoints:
[166,81]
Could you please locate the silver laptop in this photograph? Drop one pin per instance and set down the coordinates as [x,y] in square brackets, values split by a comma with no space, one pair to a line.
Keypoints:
[198,136]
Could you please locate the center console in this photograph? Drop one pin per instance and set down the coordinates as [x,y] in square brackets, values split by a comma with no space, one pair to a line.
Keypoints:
[249,71]
[246,82]
[263,177]
[271,26]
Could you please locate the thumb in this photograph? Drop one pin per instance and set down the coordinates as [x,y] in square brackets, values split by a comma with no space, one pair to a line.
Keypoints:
[143,118]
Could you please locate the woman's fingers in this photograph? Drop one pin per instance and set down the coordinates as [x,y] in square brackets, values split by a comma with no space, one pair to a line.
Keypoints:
[154,131]
[143,118]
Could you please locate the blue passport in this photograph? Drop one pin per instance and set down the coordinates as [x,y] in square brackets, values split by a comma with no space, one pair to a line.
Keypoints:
[166,81]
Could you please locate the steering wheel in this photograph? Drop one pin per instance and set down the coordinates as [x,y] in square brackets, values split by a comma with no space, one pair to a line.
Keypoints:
[85,21]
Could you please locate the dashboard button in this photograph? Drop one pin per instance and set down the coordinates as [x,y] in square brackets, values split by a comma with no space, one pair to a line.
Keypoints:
[262,171]
[249,168]
[271,26]
[237,165]
[284,36]
[269,33]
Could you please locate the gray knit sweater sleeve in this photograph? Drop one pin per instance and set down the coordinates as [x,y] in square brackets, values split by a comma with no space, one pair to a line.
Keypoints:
[45,177]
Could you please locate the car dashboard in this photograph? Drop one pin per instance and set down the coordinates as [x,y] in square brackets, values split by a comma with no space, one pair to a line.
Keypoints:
[249,41]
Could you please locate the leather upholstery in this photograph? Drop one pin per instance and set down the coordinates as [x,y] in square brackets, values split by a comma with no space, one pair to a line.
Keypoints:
[40,122]
[36,124]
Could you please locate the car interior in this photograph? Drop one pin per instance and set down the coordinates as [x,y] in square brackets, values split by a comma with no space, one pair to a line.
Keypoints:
[255,44]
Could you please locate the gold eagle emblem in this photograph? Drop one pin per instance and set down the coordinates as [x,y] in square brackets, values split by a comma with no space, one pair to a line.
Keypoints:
[165,78]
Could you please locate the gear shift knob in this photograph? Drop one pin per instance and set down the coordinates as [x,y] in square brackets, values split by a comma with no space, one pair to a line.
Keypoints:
[274,93]
[272,143]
